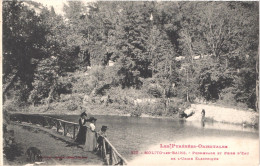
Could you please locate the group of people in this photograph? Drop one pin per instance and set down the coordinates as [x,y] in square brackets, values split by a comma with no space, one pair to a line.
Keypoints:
[87,134]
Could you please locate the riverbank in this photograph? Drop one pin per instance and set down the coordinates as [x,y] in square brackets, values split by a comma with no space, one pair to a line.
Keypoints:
[224,115]
[214,113]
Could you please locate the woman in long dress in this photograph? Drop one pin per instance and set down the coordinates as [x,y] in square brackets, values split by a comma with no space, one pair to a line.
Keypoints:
[91,139]
[81,137]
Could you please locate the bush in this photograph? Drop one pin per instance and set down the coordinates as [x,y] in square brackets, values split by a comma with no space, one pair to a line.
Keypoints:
[64,87]
[154,92]
[172,110]
[11,108]
[72,106]
[242,105]
[228,98]
[12,151]
[156,109]
[64,98]
[126,96]
[14,105]
[11,148]
[136,111]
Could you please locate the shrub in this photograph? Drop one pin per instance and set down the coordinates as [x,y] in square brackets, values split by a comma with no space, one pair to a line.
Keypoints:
[172,110]
[228,98]
[136,111]
[126,96]
[242,105]
[155,109]
[72,106]
[11,108]
[13,105]
[154,92]
[11,148]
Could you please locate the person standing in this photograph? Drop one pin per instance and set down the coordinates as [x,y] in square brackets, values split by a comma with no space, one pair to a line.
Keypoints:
[81,137]
[203,113]
[91,139]
[102,134]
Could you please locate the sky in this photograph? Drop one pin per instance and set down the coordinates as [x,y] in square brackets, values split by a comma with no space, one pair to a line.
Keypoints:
[57,4]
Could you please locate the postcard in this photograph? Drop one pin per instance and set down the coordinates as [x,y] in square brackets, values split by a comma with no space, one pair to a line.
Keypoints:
[130,83]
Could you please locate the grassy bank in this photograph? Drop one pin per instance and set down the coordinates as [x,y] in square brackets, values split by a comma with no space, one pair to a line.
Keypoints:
[89,92]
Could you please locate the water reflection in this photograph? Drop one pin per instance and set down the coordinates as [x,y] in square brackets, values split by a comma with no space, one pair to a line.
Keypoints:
[202,123]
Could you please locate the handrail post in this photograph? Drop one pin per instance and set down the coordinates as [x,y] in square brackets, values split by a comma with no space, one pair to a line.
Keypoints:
[64,129]
[47,121]
[105,152]
[111,157]
[74,131]
[57,126]
[43,121]
[114,156]
[121,157]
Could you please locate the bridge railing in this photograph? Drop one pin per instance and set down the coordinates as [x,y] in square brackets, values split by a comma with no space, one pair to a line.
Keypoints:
[110,154]
[70,129]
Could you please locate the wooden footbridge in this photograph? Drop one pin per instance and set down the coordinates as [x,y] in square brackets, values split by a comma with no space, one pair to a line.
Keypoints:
[70,129]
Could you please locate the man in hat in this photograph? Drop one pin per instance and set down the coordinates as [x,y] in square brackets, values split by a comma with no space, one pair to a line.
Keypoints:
[81,137]
[103,130]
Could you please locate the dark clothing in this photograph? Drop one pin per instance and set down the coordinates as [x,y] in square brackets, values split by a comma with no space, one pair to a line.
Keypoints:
[100,140]
[100,143]
[81,137]
[203,115]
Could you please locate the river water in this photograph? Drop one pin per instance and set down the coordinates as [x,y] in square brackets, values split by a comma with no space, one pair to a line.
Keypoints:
[129,134]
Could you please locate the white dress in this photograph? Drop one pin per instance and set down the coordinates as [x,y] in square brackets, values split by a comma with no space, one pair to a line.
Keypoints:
[91,139]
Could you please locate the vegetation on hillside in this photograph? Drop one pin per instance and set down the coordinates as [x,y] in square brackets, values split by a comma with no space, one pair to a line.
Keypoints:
[168,54]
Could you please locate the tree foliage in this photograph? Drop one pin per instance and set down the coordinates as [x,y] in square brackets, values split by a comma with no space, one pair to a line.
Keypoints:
[216,43]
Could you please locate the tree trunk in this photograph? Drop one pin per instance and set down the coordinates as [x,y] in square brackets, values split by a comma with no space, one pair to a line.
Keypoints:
[187,92]
[165,101]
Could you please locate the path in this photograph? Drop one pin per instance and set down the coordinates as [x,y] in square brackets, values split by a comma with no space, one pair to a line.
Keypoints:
[51,145]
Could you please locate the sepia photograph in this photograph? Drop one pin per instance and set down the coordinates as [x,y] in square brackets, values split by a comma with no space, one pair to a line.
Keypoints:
[143,83]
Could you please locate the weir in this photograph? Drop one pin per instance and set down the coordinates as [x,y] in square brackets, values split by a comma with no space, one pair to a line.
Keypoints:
[70,129]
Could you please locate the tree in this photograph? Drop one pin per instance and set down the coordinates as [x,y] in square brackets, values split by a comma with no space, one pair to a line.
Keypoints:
[60,58]
[130,44]
[23,35]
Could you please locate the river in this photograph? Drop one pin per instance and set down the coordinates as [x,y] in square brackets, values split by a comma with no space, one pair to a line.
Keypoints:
[129,134]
